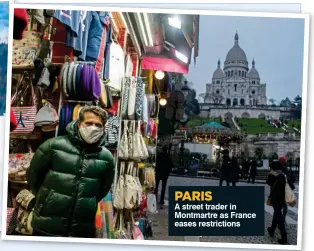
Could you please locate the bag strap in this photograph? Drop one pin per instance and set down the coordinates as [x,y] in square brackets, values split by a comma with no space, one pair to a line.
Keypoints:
[122,167]
[121,221]
[25,75]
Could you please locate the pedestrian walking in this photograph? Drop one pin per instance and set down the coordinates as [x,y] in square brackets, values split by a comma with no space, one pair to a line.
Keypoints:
[225,168]
[234,171]
[277,182]
[253,171]
[164,166]
[245,168]
[290,179]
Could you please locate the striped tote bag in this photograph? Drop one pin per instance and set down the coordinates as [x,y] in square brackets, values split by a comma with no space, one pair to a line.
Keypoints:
[25,115]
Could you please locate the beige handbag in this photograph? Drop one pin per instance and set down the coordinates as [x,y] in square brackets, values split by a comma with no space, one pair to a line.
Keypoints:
[136,144]
[289,195]
[123,152]
[139,185]
[130,188]
[118,200]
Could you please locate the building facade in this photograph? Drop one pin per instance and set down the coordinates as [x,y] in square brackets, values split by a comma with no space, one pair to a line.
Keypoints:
[236,84]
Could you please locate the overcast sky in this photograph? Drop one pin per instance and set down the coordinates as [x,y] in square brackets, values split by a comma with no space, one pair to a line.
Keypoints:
[276,44]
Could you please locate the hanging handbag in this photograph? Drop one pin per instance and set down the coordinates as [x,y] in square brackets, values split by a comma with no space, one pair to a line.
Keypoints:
[118,200]
[132,99]
[150,181]
[136,232]
[289,195]
[140,92]
[125,98]
[123,151]
[25,115]
[120,231]
[130,188]
[152,203]
[143,146]
[138,185]
[136,142]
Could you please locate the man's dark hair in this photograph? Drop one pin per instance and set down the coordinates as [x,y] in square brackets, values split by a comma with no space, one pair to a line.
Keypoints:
[276,166]
[98,111]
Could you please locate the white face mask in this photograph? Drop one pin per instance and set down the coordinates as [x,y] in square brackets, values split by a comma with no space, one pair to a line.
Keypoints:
[91,134]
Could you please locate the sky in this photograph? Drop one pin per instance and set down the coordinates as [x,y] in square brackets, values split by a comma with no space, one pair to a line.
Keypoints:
[276,44]
[4,21]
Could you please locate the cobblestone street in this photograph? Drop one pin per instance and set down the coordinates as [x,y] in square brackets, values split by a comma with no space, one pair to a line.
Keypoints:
[160,220]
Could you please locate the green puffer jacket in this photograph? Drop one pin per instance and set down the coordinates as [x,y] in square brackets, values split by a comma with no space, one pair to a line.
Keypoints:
[69,177]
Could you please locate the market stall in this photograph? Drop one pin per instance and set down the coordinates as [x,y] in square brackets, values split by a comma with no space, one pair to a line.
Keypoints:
[62,63]
[52,79]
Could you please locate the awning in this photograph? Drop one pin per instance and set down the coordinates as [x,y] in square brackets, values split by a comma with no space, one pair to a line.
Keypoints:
[163,64]
[213,124]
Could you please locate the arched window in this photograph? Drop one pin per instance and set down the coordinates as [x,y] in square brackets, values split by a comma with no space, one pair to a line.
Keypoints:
[242,102]
[235,101]
[228,102]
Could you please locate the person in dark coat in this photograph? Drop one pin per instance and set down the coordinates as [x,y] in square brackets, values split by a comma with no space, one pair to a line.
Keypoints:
[277,182]
[69,175]
[245,168]
[164,166]
[234,171]
[253,171]
[290,180]
[225,168]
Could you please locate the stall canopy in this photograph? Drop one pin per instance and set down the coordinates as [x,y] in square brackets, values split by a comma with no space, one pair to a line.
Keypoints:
[166,40]
[213,124]
[163,64]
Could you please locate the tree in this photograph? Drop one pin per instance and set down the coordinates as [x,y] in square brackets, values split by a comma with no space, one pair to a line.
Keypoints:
[259,152]
[217,98]
[201,97]
[177,80]
[298,101]
[272,101]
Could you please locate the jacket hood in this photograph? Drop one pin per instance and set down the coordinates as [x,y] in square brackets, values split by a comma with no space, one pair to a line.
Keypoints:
[73,130]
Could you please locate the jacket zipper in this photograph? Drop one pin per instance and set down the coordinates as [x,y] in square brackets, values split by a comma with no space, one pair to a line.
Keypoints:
[76,191]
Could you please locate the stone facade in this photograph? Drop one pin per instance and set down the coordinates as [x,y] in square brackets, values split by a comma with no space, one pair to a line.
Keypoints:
[271,143]
[240,112]
[236,84]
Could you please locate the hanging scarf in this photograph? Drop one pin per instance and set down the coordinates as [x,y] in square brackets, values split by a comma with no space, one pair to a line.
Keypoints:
[104,219]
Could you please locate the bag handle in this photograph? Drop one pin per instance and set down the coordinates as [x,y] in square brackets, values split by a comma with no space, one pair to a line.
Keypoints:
[25,75]
[122,167]
[130,168]
[121,221]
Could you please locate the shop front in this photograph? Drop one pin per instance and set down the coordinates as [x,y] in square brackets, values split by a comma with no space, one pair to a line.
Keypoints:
[61,74]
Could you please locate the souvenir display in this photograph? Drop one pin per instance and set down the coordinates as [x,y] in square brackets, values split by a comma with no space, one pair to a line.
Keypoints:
[57,80]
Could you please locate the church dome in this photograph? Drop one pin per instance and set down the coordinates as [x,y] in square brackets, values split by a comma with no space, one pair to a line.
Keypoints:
[218,73]
[253,73]
[236,53]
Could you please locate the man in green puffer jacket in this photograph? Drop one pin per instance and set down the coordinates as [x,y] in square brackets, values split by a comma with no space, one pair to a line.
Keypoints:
[69,175]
